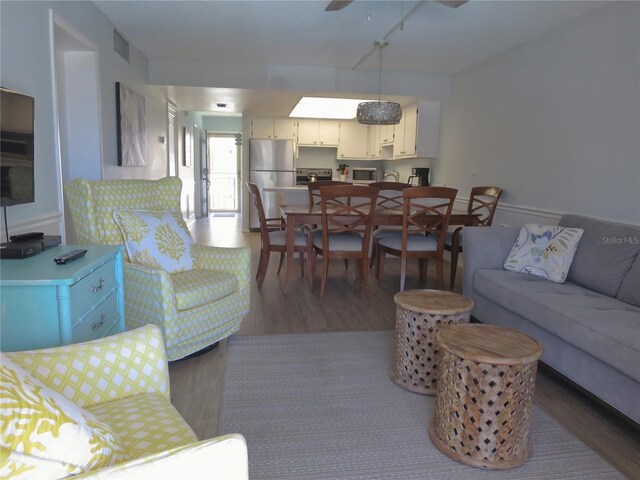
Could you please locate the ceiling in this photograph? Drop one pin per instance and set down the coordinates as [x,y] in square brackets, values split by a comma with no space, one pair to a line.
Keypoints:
[435,39]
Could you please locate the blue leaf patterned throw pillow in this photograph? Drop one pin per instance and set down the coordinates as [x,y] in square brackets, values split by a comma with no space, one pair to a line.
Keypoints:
[544,251]
[156,239]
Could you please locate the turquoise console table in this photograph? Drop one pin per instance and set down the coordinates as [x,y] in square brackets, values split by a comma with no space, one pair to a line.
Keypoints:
[46,305]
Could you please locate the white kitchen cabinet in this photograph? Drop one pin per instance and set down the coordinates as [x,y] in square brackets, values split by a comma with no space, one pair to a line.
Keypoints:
[386,134]
[318,133]
[373,142]
[353,141]
[417,134]
[278,128]
[284,129]
[398,141]
[262,128]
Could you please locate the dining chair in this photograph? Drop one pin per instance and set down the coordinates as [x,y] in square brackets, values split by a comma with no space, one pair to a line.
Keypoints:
[314,189]
[347,218]
[482,201]
[425,217]
[389,198]
[314,198]
[273,238]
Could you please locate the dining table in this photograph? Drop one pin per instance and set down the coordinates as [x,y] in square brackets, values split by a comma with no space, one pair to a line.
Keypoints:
[295,215]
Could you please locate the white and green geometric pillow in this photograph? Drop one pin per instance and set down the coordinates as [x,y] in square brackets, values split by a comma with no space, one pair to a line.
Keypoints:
[544,251]
[44,435]
[156,239]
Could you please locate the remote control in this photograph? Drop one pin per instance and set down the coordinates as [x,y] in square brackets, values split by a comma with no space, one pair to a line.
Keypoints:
[26,236]
[69,256]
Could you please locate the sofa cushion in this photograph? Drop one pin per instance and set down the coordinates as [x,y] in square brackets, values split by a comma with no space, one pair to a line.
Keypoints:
[156,239]
[200,287]
[630,289]
[544,251]
[600,325]
[604,255]
[45,435]
[146,424]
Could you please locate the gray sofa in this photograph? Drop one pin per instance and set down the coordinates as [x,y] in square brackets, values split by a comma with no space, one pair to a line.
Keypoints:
[589,326]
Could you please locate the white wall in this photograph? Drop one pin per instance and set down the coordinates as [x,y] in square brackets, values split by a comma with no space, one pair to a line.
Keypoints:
[25,66]
[555,122]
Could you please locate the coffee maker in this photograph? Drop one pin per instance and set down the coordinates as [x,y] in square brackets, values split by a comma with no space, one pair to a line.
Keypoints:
[419,177]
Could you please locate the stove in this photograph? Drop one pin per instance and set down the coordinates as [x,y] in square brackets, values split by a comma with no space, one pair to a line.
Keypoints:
[302,174]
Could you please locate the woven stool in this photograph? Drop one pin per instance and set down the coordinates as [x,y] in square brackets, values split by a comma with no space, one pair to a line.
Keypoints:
[486,378]
[419,316]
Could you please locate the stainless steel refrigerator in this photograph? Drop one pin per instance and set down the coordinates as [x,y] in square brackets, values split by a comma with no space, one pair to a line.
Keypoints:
[272,163]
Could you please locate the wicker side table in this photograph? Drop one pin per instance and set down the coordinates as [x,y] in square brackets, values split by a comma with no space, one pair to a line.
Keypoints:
[483,406]
[420,314]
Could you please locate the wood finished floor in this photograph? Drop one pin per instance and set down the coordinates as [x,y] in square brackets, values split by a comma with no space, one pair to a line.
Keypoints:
[196,384]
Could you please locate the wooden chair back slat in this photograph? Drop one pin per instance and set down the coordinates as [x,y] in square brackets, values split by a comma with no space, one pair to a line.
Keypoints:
[347,208]
[484,200]
[314,189]
[389,194]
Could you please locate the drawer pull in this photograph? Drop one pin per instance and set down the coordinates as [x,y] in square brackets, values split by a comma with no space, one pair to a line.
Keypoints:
[98,325]
[97,288]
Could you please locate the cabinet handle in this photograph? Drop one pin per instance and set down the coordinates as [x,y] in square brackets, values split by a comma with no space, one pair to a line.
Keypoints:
[98,325]
[97,288]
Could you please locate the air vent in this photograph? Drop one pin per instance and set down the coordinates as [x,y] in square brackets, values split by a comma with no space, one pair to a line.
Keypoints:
[120,45]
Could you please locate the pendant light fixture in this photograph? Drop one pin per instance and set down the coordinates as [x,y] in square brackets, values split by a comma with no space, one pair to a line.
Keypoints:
[379,113]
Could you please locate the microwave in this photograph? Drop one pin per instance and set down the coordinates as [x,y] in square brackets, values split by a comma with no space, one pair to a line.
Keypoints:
[364,175]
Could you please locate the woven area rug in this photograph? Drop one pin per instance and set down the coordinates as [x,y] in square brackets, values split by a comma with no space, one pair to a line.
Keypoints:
[322,406]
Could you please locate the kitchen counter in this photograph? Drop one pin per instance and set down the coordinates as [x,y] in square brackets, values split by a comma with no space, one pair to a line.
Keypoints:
[298,195]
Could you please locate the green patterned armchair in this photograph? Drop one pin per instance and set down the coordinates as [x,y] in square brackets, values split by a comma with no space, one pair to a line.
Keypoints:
[194,309]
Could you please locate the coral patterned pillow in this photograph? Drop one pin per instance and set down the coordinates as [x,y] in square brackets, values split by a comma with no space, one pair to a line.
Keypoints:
[156,239]
[44,435]
[544,251]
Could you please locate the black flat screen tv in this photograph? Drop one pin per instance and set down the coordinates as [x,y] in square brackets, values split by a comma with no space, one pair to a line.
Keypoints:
[16,148]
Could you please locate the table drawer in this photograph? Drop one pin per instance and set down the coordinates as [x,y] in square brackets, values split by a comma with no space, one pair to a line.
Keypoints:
[92,288]
[98,322]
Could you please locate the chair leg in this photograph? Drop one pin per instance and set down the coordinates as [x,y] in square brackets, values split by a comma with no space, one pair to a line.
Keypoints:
[403,271]
[421,270]
[264,264]
[454,268]
[281,262]
[346,264]
[260,260]
[325,273]
[302,259]
[455,250]
[365,277]
[373,254]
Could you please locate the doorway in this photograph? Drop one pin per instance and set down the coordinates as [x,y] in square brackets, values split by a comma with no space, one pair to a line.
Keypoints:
[223,172]
[77,115]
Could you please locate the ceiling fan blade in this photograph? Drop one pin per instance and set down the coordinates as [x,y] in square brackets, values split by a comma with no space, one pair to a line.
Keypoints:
[453,3]
[336,5]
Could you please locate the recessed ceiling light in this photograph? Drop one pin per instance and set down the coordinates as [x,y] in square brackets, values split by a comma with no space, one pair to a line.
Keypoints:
[320,107]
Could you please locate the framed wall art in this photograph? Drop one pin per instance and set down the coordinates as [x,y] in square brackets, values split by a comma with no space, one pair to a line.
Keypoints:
[131,131]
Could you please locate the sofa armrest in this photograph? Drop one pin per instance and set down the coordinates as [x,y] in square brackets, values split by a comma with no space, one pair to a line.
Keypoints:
[485,247]
[235,260]
[99,371]
[217,458]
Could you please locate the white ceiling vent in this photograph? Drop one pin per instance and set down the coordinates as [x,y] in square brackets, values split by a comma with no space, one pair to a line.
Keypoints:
[120,45]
